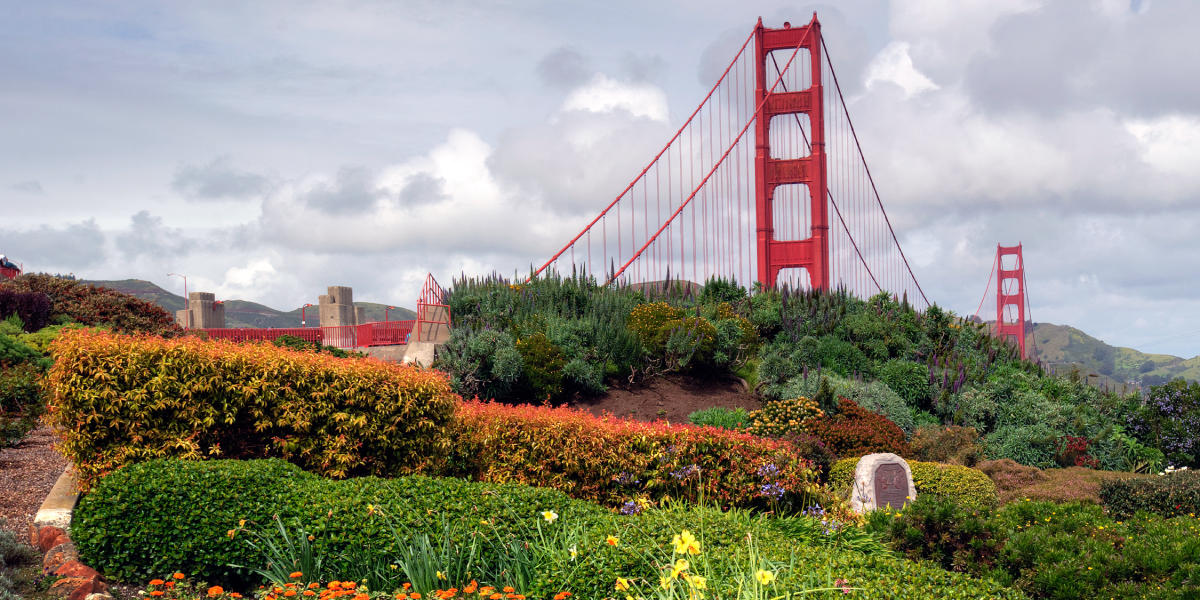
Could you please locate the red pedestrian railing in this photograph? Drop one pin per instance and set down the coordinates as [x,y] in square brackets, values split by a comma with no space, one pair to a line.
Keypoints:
[432,310]
[246,334]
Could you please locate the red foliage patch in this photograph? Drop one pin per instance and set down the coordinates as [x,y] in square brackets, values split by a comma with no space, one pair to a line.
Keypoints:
[856,431]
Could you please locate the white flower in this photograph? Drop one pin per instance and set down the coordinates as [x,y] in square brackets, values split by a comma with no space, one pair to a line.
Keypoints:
[549,515]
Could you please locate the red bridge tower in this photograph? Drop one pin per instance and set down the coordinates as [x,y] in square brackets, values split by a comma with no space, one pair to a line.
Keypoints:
[812,253]
[1010,295]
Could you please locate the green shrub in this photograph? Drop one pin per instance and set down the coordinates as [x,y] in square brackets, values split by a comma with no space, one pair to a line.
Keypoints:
[484,364]
[719,416]
[298,343]
[1034,445]
[938,529]
[1168,495]
[21,402]
[131,527]
[1075,551]
[908,379]
[969,488]
[192,398]
[543,366]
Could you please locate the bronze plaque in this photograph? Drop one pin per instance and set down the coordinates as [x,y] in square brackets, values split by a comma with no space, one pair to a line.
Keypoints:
[891,486]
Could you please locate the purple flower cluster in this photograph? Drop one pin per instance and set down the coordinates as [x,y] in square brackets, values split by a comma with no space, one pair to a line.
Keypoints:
[768,470]
[630,508]
[626,478]
[686,472]
[773,491]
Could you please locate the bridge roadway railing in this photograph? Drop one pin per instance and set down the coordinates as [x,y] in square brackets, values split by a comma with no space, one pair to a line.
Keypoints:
[377,333]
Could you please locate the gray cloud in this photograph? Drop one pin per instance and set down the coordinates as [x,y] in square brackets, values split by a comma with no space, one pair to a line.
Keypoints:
[148,236]
[643,68]
[218,180]
[28,187]
[55,249]
[563,68]
[1069,55]
[352,191]
[422,189]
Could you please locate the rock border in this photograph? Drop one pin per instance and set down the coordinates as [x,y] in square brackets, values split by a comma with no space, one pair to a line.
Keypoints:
[50,534]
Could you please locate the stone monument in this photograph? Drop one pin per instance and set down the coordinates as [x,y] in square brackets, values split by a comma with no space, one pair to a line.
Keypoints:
[882,480]
[337,307]
[202,312]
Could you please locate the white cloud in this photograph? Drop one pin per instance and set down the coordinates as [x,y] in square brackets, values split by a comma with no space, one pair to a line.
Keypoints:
[1170,144]
[603,94]
[894,65]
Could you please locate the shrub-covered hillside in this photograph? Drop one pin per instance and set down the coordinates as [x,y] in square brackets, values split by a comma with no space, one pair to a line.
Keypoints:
[557,338]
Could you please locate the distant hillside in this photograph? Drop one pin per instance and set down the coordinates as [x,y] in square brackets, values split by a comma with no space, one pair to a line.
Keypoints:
[242,313]
[1062,345]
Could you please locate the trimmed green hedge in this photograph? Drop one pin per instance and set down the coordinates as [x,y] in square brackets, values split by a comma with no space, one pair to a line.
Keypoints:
[969,488]
[157,517]
[1169,495]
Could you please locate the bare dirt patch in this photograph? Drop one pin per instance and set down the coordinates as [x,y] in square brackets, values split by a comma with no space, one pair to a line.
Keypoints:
[671,398]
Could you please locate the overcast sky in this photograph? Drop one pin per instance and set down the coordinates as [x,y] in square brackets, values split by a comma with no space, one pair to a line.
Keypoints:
[269,149]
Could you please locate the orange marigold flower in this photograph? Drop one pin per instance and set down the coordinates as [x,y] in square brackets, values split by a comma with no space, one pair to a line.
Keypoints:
[415,596]
[562,595]
[508,589]
[178,576]
[496,596]
[156,593]
[349,585]
[314,585]
[333,585]
[296,575]
[156,582]
[170,584]
[235,595]
[215,591]
[290,593]
[309,593]
[362,597]
[401,596]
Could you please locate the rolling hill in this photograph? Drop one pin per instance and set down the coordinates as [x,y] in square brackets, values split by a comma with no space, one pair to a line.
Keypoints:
[1063,345]
[242,313]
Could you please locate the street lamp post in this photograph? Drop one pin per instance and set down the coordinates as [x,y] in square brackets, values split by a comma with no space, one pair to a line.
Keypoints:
[385,313]
[302,323]
[185,293]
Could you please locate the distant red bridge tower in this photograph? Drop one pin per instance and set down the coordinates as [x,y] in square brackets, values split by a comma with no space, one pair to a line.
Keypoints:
[1011,300]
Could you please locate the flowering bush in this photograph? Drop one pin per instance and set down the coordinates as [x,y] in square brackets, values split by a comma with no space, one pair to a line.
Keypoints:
[855,431]
[192,398]
[1170,421]
[612,461]
[781,417]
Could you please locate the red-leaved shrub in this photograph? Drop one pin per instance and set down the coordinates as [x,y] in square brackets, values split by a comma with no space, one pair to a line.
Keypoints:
[611,461]
[98,306]
[856,431]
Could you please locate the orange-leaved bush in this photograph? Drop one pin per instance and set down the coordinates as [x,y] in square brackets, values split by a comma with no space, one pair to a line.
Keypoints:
[856,431]
[118,399]
[615,461]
